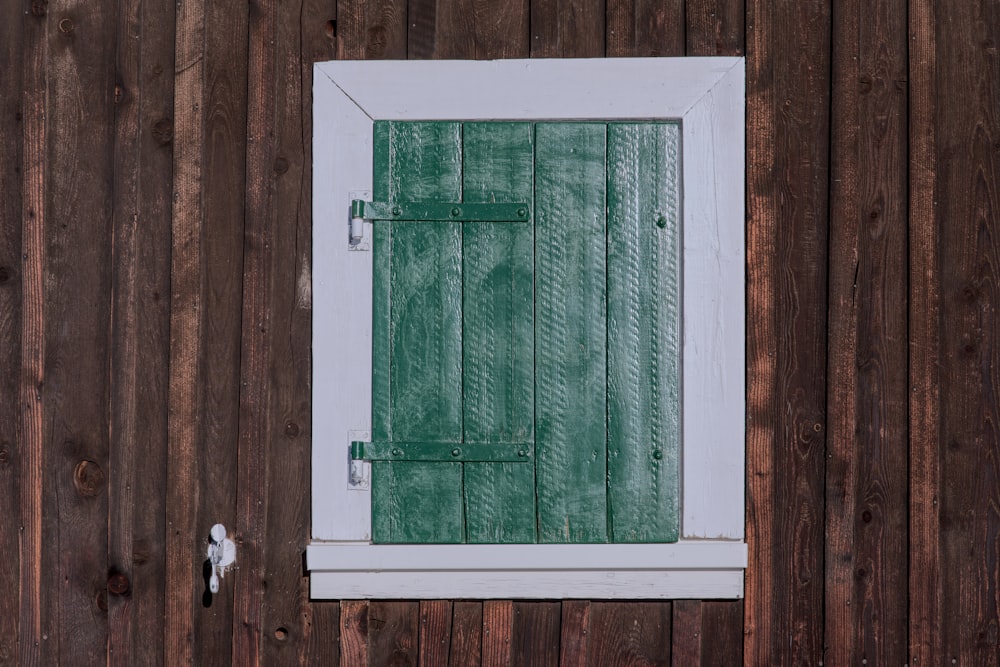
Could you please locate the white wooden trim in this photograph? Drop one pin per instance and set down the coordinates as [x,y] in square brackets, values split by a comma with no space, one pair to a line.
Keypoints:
[705,94]
[705,569]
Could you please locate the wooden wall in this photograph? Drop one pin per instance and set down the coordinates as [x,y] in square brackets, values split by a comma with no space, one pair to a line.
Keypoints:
[155,332]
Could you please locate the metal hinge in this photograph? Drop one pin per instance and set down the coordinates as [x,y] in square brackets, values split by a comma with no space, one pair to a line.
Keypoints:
[518,452]
[362,211]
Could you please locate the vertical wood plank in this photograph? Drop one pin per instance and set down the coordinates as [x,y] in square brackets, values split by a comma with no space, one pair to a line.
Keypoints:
[567,28]
[140,335]
[435,632]
[574,633]
[498,626]
[393,631]
[498,332]
[644,332]
[467,29]
[968,214]
[685,633]
[321,637]
[301,39]
[466,634]
[926,441]
[787,157]
[31,378]
[866,482]
[12,446]
[354,632]
[417,334]
[645,28]
[147,588]
[186,335]
[371,29]
[256,420]
[80,100]
[535,633]
[715,27]
[721,633]
[570,332]
[626,633]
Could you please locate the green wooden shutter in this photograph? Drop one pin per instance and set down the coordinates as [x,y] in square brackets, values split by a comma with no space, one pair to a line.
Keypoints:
[542,357]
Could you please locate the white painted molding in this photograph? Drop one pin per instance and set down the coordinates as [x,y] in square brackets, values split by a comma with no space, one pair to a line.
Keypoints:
[703,570]
[705,94]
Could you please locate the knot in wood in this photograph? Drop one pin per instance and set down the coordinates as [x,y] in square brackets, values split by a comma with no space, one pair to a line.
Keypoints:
[88,478]
[119,584]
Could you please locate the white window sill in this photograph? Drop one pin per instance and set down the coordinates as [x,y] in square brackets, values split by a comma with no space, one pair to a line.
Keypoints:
[698,569]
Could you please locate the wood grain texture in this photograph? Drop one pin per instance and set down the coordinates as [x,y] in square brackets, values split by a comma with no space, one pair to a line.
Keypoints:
[140,336]
[567,28]
[685,633]
[535,633]
[78,198]
[574,633]
[867,455]
[419,336]
[787,178]
[321,640]
[498,626]
[643,332]
[715,27]
[11,325]
[370,29]
[925,334]
[629,633]
[570,332]
[466,634]
[498,332]
[256,428]
[354,632]
[434,641]
[393,633]
[186,336]
[31,376]
[968,211]
[467,29]
[300,39]
[645,28]
[721,632]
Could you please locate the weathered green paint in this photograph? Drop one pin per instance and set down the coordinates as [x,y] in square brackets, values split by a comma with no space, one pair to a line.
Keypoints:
[418,330]
[525,376]
[448,452]
[440,211]
[643,332]
[498,332]
[570,332]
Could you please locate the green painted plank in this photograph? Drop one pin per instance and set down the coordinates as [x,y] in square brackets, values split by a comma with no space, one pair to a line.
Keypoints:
[498,332]
[421,335]
[570,332]
[643,332]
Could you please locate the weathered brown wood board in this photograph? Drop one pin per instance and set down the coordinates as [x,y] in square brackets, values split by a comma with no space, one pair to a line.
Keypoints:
[155,208]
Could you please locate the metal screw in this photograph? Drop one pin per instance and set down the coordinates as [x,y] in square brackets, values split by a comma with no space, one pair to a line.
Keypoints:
[396,210]
[456,452]
[455,212]
[657,454]
[522,212]
[522,453]
[396,451]
[661,222]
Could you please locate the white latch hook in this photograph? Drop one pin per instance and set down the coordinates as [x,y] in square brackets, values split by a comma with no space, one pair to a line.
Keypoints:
[221,554]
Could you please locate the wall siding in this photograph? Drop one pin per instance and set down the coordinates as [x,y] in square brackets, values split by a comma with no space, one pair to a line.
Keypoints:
[155,306]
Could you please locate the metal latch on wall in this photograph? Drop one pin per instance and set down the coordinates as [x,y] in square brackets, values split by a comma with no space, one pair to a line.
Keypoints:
[371,211]
[443,452]
[221,555]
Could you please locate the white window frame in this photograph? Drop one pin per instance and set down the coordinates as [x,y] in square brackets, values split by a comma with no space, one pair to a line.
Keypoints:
[707,96]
